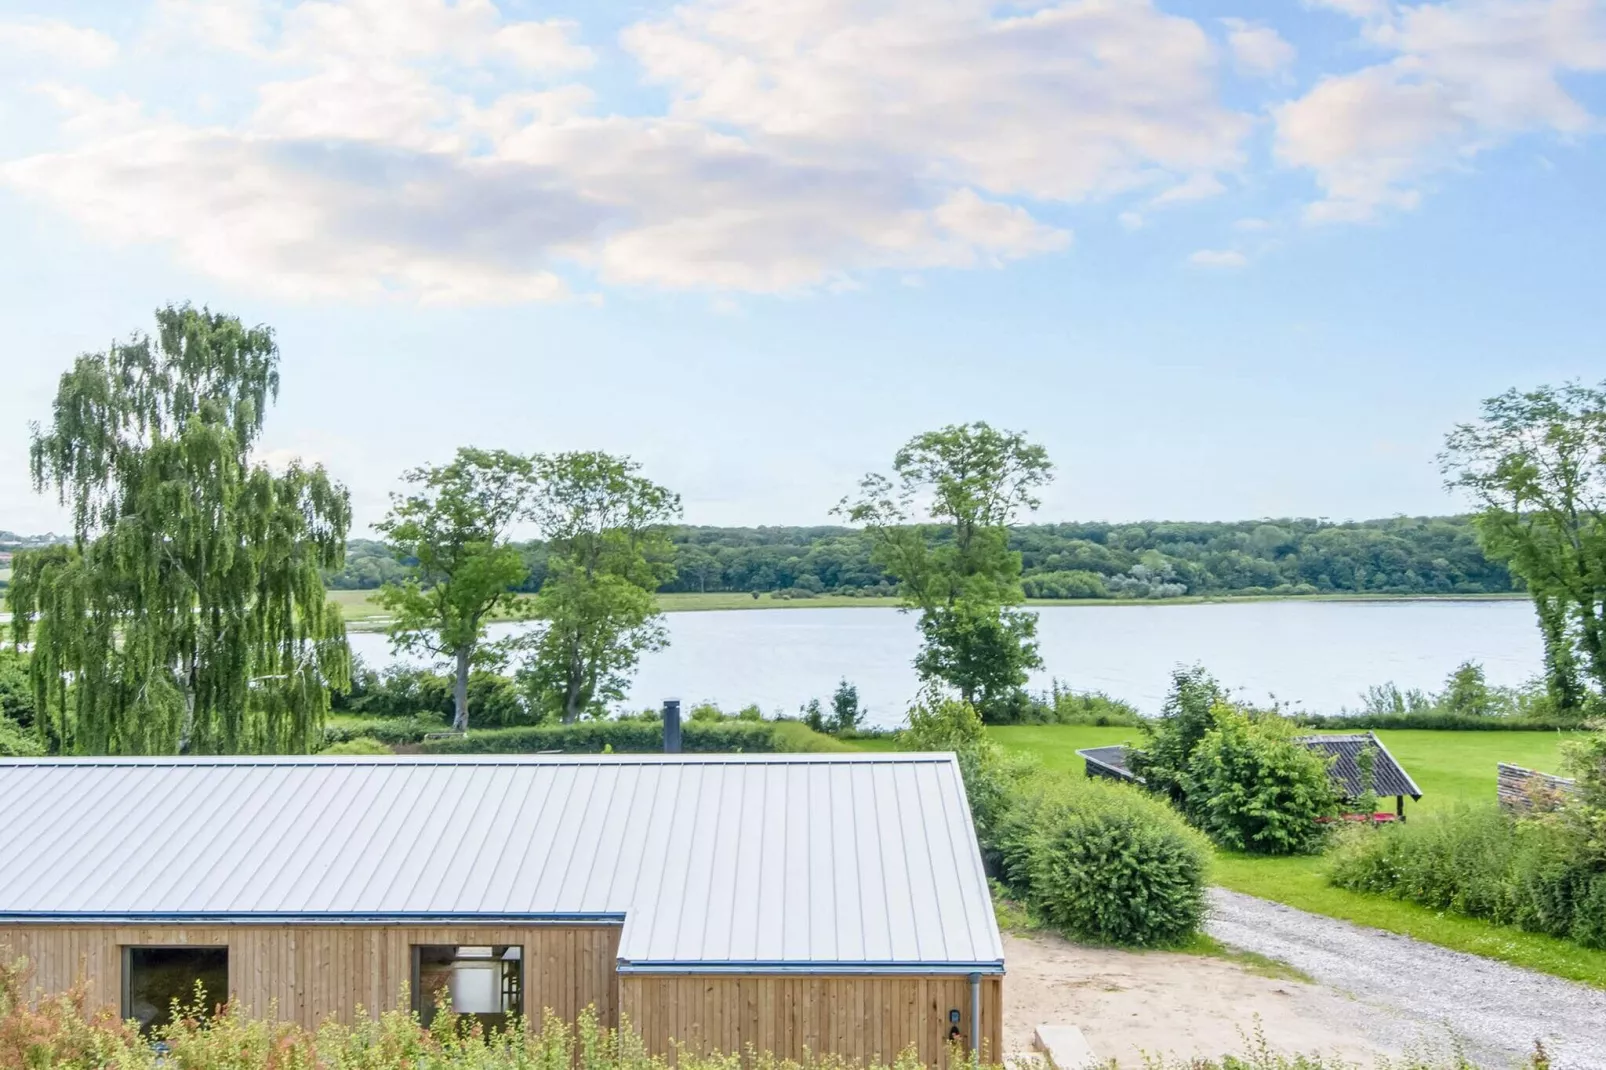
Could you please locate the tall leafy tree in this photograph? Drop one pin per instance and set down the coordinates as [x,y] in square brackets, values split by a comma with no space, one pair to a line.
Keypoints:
[455,524]
[189,613]
[605,528]
[940,526]
[1536,462]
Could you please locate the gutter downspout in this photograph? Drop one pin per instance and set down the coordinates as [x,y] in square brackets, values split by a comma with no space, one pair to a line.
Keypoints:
[975,1019]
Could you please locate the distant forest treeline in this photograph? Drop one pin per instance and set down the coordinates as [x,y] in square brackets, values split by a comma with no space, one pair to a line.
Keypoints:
[1401,555]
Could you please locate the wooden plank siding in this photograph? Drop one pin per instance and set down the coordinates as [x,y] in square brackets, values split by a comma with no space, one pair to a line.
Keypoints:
[859,1017]
[307,973]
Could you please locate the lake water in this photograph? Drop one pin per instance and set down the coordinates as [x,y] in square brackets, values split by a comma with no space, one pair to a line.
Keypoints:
[1319,655]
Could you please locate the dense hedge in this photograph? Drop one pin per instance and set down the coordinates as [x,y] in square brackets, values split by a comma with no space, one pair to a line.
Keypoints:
[1103,862]
[1540,874]
[1446,722]
[638,737]
[391,730]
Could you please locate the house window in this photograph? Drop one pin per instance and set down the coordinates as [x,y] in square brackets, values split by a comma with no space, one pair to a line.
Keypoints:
[482,982]
[154,978]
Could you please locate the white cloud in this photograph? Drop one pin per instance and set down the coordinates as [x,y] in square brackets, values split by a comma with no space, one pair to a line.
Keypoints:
[1258,50]
[1198,187]
[53,39]
[1219,258]
[1131,220]
[1463,78]
[436,150]
[1066,101]
[1358,9]
[439,151]
[1252,225]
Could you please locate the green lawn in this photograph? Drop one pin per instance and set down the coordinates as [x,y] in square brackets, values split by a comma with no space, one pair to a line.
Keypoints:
[1449,767]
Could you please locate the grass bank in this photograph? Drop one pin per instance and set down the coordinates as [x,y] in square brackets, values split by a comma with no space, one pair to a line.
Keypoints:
[362,613]
[1449,767]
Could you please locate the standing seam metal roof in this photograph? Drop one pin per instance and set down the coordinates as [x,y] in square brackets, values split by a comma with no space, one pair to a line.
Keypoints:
[826,862]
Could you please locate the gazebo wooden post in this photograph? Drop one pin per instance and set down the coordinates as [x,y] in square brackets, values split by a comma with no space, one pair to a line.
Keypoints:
[1399,807]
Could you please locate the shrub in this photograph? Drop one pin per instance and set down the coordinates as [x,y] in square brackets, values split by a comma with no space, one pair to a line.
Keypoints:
[990,774]
[18,742]
[1537,873]
[1253,787]
[1467,703]
[1431,721]
[1107,862]
[1182,724]
[1091,708]
[637,737]
[846,713]
[705,711]
[360,745]
[16,691]
[389,730]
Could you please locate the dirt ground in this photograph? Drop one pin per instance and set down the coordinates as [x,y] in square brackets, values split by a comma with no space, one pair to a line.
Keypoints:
[1130,1003]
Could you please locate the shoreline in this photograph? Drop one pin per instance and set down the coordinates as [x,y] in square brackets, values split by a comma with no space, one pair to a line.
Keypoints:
[362,615]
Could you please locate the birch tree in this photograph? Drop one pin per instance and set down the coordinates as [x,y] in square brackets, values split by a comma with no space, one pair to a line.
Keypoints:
[188,614]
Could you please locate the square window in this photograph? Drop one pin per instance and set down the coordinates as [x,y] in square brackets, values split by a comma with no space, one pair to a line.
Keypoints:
[154,978]
[484,982]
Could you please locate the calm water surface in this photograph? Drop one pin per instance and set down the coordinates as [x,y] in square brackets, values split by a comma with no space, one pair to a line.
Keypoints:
[1320,655]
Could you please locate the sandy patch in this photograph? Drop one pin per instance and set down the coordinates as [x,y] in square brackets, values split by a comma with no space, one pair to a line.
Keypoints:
[1127,1003]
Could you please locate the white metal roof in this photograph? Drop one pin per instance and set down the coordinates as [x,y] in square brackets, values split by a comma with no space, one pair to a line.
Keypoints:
[722,861]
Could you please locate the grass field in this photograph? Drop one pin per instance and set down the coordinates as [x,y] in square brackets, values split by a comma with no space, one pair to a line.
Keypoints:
[1451,768]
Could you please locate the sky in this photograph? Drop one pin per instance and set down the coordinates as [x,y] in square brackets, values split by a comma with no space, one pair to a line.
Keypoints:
[1225,259]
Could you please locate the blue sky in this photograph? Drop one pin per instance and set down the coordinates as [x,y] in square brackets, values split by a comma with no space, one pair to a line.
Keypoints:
[1225,259]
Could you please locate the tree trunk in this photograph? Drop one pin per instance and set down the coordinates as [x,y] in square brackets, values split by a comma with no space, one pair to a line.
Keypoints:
[460,691]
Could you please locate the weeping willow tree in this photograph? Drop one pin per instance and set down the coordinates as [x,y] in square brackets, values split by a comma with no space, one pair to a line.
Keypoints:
[189,614]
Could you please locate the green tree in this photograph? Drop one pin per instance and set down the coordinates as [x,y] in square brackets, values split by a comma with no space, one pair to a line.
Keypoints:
[845,709]
[940,526]
[189,613]
[1185,718]
[1467,691]
[455,524]
[1536,463]
[608,550]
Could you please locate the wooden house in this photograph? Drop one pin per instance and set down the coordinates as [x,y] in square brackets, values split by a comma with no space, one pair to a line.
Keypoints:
[831,903]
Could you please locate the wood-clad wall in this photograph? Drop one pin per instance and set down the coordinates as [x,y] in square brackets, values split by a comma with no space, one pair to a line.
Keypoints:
[310,972]
[858,1017]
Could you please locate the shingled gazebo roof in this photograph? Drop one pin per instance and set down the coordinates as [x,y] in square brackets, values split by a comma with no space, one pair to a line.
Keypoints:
[1388,777]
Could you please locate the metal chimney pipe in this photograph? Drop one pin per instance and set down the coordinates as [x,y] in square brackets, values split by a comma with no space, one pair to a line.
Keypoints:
[671,726]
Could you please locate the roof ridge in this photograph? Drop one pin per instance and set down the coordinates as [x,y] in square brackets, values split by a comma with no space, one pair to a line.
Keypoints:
[379,761]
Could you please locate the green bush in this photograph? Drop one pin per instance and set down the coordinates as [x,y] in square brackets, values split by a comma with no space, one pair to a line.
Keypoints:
[16,691]
[990,773]
[1537,873]
[1253,787]
[1444,722]
[1091,708]
[361,745]
[637,737]
[18,742]
[389,730]
[1187,715]
[1109,863]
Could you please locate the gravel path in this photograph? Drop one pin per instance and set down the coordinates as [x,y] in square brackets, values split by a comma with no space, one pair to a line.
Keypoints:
[1412,992]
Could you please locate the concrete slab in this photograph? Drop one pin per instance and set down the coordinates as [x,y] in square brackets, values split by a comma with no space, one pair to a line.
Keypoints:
[1065,1047]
